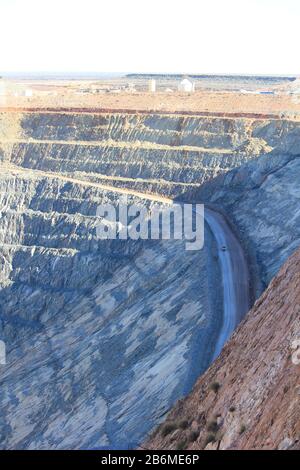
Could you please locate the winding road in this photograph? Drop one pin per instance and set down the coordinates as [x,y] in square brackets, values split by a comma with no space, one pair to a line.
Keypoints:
[233,265]
[235,276]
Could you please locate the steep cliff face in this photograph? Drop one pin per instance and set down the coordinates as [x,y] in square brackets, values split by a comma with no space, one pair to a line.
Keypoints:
[261,198]
[249,398]
[101,336]
[152,152]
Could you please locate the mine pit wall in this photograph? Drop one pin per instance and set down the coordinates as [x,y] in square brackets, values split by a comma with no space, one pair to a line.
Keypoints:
[58,282]
[49,249]
[183,157]
[261,200]
[171,155]
[160,153]
[90,325]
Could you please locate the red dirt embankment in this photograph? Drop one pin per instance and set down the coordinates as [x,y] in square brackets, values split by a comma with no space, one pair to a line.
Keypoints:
[249,398]
[139,111]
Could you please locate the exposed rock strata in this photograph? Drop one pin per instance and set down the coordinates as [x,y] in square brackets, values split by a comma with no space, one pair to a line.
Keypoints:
[249,398]
[101,336]
[165,151]
[84,320]
[262,199]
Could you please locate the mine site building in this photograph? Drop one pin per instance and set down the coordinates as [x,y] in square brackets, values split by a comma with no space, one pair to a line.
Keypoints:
[186,85]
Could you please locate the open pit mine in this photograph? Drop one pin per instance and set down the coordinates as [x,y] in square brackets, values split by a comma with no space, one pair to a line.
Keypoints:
[103,337]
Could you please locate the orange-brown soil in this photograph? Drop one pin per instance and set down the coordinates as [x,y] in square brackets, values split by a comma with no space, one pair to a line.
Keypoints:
[249,398]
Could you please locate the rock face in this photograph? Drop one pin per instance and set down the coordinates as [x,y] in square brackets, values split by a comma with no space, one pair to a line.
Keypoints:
[249,398]
[261,199]
[163,154]
[93,329]
[103,337]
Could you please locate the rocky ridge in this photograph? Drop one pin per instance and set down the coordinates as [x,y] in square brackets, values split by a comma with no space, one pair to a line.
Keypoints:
[249,398]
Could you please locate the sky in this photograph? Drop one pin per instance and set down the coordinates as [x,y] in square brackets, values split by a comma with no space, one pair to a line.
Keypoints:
[159,36]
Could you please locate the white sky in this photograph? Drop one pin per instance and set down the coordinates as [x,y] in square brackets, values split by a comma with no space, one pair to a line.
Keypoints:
[201,36]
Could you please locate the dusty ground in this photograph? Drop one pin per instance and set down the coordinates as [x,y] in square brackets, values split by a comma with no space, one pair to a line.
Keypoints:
[69,94]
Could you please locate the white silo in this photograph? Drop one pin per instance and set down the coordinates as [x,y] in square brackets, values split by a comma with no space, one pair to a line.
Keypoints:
[152,86]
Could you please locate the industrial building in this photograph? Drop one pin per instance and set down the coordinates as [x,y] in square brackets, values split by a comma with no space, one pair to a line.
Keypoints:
[186,85]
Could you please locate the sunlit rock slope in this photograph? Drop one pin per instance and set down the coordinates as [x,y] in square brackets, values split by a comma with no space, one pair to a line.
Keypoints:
[262,200]
[249,398]
[157,153]
[103,337]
